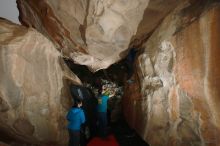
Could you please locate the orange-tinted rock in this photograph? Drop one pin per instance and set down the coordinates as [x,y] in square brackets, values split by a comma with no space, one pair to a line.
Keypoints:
[31,84]
[130,98]
[183,54]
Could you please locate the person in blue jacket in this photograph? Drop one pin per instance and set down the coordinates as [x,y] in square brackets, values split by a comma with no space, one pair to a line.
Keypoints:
[102,110]
[76,118]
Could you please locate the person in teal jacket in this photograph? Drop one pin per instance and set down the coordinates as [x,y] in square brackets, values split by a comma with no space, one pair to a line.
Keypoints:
[102,109]
[76,118]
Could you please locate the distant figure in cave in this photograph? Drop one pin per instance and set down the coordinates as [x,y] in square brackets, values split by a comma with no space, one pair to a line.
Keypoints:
[76,118]
[102,109]
[130,64]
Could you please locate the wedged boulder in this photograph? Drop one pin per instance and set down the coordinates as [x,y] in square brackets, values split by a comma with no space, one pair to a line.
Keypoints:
[32,79]
[95,33]
[179,80]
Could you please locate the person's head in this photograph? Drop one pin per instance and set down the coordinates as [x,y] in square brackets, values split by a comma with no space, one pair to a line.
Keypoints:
[104,89]
[77,102]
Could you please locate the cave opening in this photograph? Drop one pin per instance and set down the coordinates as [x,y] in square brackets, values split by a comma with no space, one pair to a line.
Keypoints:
[116,76]
[115,73]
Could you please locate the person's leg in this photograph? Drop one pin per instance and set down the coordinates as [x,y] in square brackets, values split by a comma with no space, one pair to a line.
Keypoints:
[82,136]
[108,117]
[71,137]
[102,123]
[105,124]
[74,138]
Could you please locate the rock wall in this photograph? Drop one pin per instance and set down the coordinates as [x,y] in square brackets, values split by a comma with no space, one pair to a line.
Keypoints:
[179,79]
[91,32]
[153,15]
[32,103]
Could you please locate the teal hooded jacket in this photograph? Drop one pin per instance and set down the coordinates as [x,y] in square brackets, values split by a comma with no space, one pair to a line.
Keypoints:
[76,118]
[102,103]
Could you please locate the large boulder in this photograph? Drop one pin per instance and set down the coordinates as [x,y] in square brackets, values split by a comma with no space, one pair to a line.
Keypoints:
[179,80]
[32,78]
[96,33]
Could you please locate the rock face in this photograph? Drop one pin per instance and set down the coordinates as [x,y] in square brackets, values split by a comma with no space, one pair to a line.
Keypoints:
[153,15]
[179,80]
[31,81]
[95,33]
[91,32]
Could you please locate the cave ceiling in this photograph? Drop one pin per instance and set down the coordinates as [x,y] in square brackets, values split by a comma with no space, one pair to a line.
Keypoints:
[95,33]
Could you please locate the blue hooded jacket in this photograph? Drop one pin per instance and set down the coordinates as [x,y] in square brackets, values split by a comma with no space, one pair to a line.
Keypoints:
[76,117]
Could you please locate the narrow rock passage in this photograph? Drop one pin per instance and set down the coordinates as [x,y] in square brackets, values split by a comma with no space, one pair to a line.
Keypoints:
[125,135]
[120,135]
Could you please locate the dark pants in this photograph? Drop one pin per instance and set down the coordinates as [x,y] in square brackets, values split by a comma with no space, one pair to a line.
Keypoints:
[74,137]
[102,123]
[83,138]
[129,65]
[93,128]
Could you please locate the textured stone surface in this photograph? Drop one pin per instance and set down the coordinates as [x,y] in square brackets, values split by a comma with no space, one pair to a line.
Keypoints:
[92,32]
[153,15]
[31,86]
[179,80]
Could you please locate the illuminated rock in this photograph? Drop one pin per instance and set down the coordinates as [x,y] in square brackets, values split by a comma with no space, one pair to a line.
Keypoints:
[183,53]
[95,33]
[32,77]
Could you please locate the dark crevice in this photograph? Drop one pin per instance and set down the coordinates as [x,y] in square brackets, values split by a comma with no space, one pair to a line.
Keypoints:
[125,135]
[115,73]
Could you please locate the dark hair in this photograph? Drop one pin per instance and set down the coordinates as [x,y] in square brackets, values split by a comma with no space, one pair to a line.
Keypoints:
[77,101]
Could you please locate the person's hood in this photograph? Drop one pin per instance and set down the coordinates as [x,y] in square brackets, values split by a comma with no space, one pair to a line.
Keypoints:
[75,110]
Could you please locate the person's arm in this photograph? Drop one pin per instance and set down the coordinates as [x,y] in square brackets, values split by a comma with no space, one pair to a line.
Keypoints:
[68,116]
[112,94]
[82,117]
